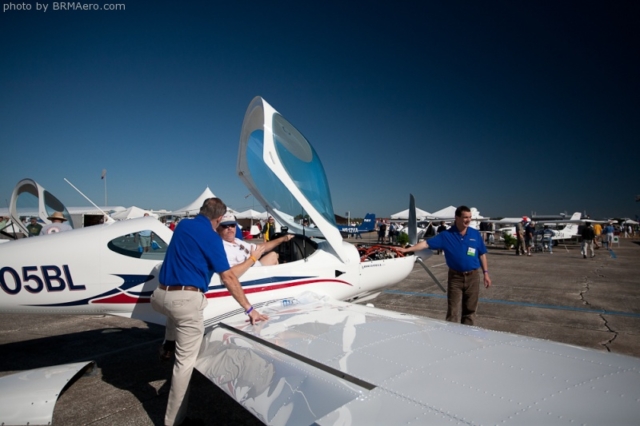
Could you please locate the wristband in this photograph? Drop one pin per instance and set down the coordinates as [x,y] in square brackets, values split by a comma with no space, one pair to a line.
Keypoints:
[254,259]
[248,311]
[485,272]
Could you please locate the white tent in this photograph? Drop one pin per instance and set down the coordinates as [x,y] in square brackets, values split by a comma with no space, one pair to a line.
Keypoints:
[448,212]
[252,214]
[630,222]
[404,214]
[193,208]
[132,212]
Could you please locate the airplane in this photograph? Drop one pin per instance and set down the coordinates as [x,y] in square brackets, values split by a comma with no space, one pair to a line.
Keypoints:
[368,225]
[568,232]
[321,359]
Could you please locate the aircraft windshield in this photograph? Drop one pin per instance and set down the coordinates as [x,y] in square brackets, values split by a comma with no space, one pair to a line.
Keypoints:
[52,205]
[27,203]
[301,163]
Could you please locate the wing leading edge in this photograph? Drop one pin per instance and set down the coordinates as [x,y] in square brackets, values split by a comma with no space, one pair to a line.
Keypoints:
[330,362]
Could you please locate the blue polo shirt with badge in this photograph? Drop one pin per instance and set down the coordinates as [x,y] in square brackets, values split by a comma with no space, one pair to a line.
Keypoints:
[461,252]
[194,255]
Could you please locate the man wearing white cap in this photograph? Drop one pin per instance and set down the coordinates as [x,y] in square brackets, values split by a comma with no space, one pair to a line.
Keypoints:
[242,255]
[57,224]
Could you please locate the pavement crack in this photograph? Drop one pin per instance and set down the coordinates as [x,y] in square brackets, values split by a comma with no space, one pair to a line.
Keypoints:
[584,291]
[608,342]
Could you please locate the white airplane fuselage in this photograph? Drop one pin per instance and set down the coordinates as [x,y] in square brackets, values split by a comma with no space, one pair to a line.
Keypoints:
[80,272]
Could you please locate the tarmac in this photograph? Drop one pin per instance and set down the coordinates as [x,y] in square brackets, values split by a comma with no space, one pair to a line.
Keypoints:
[593,303]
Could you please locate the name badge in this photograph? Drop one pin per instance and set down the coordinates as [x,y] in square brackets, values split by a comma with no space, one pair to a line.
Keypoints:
[471,251]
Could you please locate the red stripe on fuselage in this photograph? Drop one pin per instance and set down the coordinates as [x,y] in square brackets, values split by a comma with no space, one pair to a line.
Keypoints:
[259,289]
[124,298]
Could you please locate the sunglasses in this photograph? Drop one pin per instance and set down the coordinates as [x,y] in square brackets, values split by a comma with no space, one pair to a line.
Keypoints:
[228,226]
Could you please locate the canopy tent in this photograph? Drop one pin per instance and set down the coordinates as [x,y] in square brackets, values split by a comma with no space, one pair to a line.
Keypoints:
[450,213]
[252,214]
[404,214]
[193,208]
[630,222]
[247,218]
[447,212]
[132,212]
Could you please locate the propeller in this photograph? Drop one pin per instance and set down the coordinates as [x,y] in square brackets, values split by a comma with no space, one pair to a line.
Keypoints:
[413,240]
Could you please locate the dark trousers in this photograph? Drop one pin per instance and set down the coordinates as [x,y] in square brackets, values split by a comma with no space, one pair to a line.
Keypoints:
[463,290]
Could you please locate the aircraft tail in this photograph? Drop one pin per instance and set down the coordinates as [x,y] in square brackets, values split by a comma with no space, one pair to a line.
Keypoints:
[572,228]
[368,223]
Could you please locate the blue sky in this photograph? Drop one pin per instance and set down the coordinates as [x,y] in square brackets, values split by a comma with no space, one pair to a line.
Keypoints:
[509,107]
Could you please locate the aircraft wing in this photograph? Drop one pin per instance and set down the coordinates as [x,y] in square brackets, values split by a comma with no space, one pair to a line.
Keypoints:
[321,361]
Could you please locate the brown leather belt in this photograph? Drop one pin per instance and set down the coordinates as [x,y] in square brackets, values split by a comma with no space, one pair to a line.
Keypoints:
[178,287]
[463,273]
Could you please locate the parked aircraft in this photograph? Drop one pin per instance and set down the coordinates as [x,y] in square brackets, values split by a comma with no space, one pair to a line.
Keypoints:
[568,232]
[368,225]
[320,359]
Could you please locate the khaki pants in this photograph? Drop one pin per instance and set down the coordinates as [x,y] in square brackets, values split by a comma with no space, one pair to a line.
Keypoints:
[587,245]
[520,246]
[185,325]
[463,290]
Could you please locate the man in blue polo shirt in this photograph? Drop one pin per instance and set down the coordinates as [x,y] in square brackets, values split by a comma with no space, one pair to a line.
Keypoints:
[464,252]
[194,255]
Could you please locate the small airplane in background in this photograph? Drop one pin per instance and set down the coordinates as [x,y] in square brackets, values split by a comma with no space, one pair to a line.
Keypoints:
[568,232]
[368,225]
[319,359]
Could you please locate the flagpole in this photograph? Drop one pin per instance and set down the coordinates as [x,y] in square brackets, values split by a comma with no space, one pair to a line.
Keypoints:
[104,178]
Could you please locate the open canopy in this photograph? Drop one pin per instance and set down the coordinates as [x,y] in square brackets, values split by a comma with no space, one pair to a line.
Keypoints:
[284,173]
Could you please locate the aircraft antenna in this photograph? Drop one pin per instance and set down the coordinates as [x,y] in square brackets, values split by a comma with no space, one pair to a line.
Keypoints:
[87,198]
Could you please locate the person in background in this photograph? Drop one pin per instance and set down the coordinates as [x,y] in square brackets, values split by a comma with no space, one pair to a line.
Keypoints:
[547,238]
[145,238]
[529,231]
[270,229]
[34,227]
[57,224]
[519,234]
[597,229]
[382,231]
[608,232]
[587,240]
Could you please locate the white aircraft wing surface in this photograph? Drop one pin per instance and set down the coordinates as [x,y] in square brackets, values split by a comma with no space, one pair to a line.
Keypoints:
[330,362]
[29,397]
